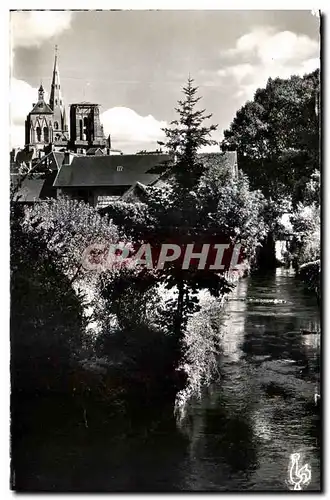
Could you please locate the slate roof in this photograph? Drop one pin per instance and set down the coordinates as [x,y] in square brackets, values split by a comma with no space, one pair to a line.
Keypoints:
[30,190]
[94,151]
[36,188]
[41,108]
[52,160]
[93,171]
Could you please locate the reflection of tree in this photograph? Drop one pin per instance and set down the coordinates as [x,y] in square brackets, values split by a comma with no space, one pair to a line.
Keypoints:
[230,436]
[274,329]
[222,451]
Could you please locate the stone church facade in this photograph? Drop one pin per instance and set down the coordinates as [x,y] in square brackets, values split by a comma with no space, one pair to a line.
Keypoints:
[46,124]
[46,127]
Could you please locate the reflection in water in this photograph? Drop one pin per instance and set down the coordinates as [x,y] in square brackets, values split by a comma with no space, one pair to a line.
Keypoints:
[262,410]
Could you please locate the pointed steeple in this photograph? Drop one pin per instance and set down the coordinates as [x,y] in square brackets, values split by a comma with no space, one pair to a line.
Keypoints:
[41,93]
[56,100]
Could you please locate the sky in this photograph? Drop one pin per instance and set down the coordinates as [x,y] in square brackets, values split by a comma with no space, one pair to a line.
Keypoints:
[135,63]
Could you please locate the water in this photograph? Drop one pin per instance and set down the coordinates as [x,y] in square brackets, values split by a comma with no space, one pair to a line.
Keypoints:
[262,410]
[240,435]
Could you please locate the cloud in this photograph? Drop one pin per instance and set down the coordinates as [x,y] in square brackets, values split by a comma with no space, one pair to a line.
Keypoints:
[31,29]
[129,129]
[238,71]
[265,53]
[21,98]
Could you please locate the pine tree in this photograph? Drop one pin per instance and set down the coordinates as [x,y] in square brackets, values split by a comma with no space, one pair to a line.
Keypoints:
[185,138]
[179,214]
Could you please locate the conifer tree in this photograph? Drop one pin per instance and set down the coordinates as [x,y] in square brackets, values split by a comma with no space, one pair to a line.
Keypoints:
[175,212]
[186,136]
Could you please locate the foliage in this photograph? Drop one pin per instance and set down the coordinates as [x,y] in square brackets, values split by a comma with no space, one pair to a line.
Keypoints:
[310,273]
[198,198]
[227,204]
[201,349]
[46,314]
[277,136]
[306,224]
[68,227]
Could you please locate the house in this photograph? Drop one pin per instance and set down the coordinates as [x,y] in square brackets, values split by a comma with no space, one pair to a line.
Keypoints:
[99,180]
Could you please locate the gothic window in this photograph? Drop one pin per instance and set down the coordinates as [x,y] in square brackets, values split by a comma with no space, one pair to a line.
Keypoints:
[46,134]
[61,102]
[86,128]
[38,130]
[56,101]
[56,125]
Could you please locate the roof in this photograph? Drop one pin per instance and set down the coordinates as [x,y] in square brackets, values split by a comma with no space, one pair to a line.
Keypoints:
[30,190]
[36,188]
[52,161]
[92,171]
[84,103]
[135,192]
[41,108]
[94,151]
[59,157]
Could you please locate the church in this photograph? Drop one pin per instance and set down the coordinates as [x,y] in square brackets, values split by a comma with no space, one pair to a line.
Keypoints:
[46,126]
[77,161]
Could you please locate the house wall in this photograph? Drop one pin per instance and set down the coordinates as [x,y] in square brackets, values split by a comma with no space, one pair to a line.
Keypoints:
[95,196]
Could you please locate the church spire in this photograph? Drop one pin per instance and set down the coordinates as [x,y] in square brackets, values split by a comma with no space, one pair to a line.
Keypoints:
[56,101]
[56,85]
[41,93]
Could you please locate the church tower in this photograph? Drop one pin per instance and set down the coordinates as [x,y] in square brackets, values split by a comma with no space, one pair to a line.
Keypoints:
[86,130]
[38,125]
[60,128]
[45,125]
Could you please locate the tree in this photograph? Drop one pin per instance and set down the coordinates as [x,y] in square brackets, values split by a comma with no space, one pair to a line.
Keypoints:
[68,228]
[277,136]
[176,206]
[47,321]
[198,199]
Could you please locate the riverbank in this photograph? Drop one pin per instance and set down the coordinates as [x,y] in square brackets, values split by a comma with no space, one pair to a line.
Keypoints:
[237,437]
[310,274]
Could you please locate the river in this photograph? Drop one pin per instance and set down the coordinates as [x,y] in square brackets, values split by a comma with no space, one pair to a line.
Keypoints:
[239,436]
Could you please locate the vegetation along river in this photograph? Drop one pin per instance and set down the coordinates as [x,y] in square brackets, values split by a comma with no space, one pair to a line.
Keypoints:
[240,435]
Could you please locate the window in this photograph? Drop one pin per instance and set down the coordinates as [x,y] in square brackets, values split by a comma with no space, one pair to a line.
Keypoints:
[80,130]
[56,101]
[56,125]
[119,168]
[86,135]
[38,130]
[46,134]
